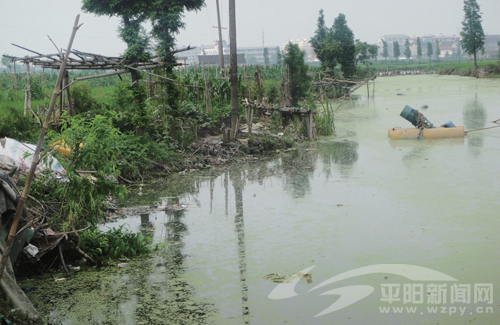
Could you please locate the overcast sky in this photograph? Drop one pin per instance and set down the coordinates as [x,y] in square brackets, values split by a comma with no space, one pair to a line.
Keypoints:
[28,22]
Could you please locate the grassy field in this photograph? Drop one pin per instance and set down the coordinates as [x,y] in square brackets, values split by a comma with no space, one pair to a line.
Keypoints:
[446,66]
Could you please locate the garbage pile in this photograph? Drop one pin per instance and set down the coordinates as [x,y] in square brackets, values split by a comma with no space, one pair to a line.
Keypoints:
[206,154]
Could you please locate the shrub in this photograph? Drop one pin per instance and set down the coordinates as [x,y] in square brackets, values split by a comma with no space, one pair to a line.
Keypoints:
[14,124]
[37,92]
[82,98]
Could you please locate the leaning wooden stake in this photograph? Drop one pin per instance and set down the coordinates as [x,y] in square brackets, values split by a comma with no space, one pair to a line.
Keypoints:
[27,96]
[13,228]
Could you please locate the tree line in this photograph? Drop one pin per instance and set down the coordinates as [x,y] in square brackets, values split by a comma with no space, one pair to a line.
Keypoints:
[336,45]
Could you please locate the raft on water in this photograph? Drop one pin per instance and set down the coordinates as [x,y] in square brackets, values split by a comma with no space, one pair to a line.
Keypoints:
[424,128]
[434,133]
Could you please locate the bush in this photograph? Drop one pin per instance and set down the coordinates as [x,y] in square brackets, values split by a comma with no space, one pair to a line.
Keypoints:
[81,94]
[123,97]
[37,92]
[14,124]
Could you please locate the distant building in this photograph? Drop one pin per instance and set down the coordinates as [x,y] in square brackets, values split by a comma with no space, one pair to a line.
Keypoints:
[390,39]
[255,55]
[251,55]
[491,46]
[214,59]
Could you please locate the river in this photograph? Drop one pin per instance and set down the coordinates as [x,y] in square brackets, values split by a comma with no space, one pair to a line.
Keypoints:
[390,231]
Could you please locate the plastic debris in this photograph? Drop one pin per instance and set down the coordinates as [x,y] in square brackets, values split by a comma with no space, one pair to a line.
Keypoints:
[279,278]
[31,250]
[3,318]
[22,155]
[448,124]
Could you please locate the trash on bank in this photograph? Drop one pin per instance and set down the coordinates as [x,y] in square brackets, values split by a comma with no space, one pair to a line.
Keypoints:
[31,249]
[424,128]
[22,155]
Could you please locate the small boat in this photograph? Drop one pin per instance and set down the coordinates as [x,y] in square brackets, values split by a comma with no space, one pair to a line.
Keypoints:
[423,128]
[434,133]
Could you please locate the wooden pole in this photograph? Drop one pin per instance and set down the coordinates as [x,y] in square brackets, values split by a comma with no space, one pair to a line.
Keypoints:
[151,86]
[63,97]
[221,50]
[207,93]
[15,82]
[28,89]
[44,84]
[25,101]
[36,155]
[71,110]
[234,69]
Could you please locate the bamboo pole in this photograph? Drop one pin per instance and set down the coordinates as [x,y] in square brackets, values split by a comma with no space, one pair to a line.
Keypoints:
[71,111]
[44,84]
[15,81]
[29,178]
[27,102]
[221,50]
[63,97]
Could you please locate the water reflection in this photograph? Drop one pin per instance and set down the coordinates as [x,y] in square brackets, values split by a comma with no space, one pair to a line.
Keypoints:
[238,184]
[297,167]
[172,302]
[475,117]
[343,154]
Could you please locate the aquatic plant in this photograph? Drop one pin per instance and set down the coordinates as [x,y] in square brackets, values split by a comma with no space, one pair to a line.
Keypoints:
[115,243]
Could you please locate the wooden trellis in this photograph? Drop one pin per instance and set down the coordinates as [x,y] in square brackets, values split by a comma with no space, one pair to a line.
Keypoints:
[78,60]
[348,86]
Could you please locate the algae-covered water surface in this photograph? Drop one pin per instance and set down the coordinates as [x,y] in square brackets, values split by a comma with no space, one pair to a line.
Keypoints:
[352,229]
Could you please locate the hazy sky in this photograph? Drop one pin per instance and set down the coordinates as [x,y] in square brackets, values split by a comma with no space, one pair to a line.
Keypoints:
[28,22]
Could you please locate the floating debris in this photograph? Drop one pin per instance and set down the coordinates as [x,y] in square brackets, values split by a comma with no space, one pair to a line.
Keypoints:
[278,278]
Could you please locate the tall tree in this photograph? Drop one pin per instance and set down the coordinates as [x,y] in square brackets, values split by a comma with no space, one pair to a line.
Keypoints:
[7,62]
[299,80]
[472,31]
[317,41]
[364,52]
[266,56]
[165,17]
[438,49]
[279,56]
[498,43]
[419,49]
[459,51]
[335,45]
[396,52]
[407,51]
[373,50]
[347,50]
[429,50]
[385,50]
